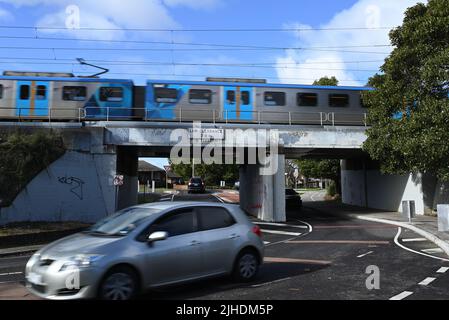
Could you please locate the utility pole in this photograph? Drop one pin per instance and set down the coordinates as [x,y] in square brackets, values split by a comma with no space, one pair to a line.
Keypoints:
[193,167]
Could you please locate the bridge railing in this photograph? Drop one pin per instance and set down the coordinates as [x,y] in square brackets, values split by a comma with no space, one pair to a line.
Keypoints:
[183,115]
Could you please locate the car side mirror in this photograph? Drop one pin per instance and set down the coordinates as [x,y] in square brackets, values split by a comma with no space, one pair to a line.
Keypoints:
[157,236]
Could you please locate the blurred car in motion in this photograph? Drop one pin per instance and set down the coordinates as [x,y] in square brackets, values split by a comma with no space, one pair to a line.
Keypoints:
[197,185]
[292,199]
[145,247]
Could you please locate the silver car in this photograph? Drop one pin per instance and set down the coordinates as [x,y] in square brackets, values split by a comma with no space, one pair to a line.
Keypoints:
[145,247]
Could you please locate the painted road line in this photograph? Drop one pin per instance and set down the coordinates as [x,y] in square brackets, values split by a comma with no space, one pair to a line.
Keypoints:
[218,198]
[354,227]
[396,240]
[433,250]
[292,260]
[427,281]
[281,232]
[365,254]
[443,270]
[266,242]
[280,225]
[339,242]
[307,224]
[271,282]
[10,274]
[402,295]
[415,240]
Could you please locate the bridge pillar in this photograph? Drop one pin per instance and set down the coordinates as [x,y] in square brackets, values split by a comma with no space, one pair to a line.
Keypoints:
[127,165]
[263,196]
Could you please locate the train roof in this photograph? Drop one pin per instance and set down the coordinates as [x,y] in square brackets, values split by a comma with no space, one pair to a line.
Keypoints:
[260,85]
[66,79]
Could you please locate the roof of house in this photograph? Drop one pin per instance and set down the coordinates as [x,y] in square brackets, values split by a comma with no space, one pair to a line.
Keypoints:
[148,167]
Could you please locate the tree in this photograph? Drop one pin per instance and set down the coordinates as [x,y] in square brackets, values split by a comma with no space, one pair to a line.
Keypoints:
[326,81]
[409,110]
[212,174]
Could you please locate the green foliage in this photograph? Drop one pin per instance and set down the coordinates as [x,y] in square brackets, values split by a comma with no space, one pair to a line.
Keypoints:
[326,81]
[414,84]
[326,169]
[331,189]
[22,157]
[212,174]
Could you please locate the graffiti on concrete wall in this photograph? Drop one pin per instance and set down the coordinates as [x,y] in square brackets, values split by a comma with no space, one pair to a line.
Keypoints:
[76,185]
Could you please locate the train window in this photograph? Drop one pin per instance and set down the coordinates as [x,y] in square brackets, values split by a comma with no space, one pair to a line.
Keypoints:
[362,103]
[338,100]
[274,99]
[111,94]
[307,99]
[1,91]
[41,93]
[244,97]
[24,92]
[74,93]
[197,96]
[164,95]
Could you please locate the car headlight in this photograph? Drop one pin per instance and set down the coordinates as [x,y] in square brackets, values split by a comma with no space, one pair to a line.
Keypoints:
[80,261]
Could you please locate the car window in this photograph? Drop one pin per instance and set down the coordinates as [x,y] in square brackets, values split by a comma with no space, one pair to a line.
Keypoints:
[175,223]
[290,192]
[214,218]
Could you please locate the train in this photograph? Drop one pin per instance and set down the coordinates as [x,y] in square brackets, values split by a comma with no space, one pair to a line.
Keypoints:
[47,96]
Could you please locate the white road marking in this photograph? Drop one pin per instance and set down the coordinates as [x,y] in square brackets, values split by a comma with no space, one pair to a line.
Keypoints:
[173,198]
[443,270]
[10,274]
[218,198]
[271,282]
[281,232]
[402,295]
[396,240]
[307,224]
[427,281]
[365,254]
[266,242]
[415,240]
[433,250]
[280,225]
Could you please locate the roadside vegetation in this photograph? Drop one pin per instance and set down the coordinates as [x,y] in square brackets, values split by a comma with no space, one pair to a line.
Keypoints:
[409,111]
[23,155]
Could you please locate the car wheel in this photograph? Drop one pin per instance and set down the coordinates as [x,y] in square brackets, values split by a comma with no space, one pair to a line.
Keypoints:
[119,284]
[246,266]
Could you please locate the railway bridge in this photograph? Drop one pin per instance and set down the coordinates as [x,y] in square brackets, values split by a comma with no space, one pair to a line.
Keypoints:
[80,185]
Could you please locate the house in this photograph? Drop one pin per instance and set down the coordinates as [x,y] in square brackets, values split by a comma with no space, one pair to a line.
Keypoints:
[148,173]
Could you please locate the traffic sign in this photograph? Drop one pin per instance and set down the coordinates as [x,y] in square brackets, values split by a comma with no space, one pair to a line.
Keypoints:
[119,180]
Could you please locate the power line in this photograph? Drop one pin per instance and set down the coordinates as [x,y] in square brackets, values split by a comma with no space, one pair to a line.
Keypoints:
[190,49]
[197,30]
[190,43]
[196,65]
[214,64]
[204,76]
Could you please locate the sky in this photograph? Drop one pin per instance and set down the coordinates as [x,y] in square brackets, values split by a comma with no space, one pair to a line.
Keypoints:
[283,41]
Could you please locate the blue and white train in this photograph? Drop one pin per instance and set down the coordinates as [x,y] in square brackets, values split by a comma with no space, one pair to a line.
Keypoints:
[64,97]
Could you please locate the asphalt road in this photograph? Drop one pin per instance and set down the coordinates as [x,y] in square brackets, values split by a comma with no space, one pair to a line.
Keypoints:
[315,255]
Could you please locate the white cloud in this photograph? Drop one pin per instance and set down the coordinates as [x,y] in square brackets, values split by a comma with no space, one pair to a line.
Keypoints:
[195,4]
[365,13]
[5,15]
[112,14]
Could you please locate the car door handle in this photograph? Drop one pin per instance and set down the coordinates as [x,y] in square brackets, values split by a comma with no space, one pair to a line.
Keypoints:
[195,243]
[234,236]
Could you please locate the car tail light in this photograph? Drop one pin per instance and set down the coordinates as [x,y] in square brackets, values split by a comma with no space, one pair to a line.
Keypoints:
[257,231]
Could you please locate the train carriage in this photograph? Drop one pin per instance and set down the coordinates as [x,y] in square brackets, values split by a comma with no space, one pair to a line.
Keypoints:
[38,96]
[235,101]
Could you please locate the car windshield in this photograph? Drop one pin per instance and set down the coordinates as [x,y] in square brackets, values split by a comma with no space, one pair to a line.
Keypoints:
[122,222]
[196,180]
[290,192]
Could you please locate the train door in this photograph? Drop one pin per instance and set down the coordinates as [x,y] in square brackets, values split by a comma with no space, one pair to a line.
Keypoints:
[238,104]
[32,98]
